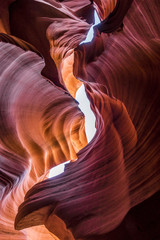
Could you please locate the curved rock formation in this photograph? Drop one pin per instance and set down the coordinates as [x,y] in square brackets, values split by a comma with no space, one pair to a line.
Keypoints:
[31,127]
[109,190]
[96,183]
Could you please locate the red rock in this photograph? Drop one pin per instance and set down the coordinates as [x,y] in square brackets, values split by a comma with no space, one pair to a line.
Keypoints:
[111,190]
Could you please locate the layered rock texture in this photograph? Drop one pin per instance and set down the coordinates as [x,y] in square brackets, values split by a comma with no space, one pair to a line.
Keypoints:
[110,188]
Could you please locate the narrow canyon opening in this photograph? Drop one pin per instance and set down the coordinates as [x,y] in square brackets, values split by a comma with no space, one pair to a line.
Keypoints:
[84,105]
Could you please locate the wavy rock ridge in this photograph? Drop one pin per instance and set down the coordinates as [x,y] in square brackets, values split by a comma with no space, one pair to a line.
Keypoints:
[42,66]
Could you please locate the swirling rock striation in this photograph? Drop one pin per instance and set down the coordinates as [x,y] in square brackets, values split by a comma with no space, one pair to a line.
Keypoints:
[27,133]
[94,189]
[42,126]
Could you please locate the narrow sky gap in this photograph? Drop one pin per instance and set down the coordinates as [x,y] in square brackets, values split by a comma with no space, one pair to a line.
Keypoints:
[84,105]
[90,34]
[55,171]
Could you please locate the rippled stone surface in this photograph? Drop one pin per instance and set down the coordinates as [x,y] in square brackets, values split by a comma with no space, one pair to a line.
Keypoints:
[110,189]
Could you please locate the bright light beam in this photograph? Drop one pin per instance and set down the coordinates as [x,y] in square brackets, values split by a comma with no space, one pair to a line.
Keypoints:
[90,32]
[96,18]
[84,105]
[90,119]
[55,171]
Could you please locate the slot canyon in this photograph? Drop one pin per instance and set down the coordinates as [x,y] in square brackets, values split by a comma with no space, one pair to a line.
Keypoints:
[86,108]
